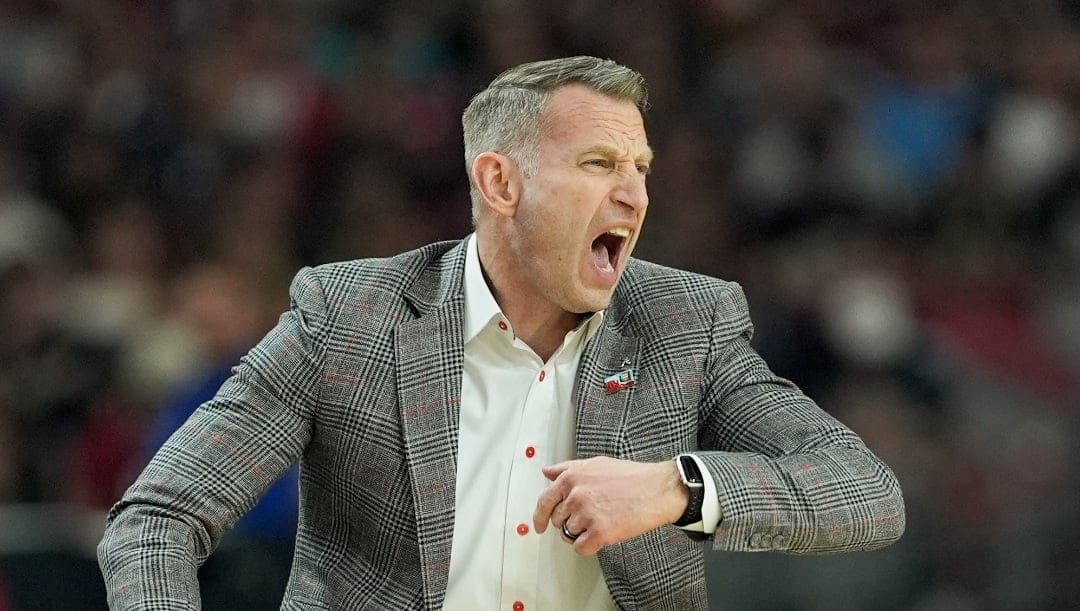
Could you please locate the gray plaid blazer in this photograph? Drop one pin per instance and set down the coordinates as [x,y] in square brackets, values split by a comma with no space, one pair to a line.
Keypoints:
[361,382]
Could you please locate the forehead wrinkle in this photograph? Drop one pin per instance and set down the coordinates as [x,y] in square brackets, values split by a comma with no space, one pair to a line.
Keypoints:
[615,127]
[579,103]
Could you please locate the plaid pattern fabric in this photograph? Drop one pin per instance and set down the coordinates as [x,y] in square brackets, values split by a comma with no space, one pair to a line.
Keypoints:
[361,382]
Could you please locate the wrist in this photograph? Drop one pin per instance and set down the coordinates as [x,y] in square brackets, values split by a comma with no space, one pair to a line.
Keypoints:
[680,494]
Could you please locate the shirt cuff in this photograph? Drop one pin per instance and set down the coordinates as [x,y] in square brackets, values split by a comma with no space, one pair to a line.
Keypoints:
[710,505]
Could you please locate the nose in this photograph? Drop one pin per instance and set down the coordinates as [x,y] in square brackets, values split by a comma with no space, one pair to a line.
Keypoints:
[630,190]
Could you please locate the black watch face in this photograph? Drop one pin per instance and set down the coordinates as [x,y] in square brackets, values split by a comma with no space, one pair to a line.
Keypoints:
[690,468]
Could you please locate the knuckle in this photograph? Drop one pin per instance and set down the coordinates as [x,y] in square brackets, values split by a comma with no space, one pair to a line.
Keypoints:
[574,502]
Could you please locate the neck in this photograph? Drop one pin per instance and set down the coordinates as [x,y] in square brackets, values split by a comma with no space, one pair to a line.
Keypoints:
[543,334]
[537,322]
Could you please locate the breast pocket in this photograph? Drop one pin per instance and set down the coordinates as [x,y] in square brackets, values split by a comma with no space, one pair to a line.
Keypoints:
[663,416]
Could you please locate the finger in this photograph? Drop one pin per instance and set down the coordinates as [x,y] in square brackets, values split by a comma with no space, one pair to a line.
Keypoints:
[585,544]
[571,527]
[563,512]
[553,471]
[574,525]
[568,535]
[547,502]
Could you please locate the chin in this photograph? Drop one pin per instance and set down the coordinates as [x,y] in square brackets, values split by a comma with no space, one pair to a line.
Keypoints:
[593,302]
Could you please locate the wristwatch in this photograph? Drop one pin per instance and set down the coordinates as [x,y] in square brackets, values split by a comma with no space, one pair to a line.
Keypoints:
[691,478]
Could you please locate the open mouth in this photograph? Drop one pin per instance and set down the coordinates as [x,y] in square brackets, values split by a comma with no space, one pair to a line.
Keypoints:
[607,247]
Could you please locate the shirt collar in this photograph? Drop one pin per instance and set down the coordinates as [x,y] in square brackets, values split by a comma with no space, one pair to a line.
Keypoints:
[480,305]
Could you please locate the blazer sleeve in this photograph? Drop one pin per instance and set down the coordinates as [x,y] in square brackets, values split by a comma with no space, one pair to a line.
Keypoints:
[790,476]
[216,466]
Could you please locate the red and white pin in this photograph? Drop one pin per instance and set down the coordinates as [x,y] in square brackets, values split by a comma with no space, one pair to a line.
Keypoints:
[620,381]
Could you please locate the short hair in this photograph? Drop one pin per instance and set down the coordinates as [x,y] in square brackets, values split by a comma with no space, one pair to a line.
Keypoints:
[506,117]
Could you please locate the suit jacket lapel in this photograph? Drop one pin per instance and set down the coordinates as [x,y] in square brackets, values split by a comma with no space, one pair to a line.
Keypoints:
[601,422]
[430,360]
[600,415]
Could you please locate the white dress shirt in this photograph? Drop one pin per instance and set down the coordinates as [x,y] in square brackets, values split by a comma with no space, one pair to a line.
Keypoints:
[516,417]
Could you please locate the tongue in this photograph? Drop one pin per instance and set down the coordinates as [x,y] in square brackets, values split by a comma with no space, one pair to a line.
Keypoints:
[600,256]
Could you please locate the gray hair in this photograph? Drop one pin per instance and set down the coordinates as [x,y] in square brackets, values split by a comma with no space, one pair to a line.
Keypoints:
[507,117]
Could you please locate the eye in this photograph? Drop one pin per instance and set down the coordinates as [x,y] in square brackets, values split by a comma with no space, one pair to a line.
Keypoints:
[600,163]
[643,169]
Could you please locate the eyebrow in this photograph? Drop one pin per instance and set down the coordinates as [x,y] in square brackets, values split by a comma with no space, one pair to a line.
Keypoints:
[609,151]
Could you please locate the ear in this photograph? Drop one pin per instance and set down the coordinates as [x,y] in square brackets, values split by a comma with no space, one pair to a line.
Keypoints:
[499,182]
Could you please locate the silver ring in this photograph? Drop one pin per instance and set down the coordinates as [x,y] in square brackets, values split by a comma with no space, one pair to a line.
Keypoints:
[569,535]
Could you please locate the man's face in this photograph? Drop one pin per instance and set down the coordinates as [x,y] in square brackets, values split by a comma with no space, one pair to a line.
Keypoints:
[581,213]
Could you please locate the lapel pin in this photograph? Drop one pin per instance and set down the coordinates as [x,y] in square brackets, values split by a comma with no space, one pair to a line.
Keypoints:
[625,363]
[620,381]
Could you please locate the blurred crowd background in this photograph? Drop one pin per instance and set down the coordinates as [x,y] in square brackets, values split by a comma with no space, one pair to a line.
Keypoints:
[896,184]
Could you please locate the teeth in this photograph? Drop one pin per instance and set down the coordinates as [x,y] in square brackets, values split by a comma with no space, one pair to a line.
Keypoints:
[621,232]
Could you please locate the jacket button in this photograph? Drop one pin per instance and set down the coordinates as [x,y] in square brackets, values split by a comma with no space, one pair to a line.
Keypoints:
[755,541]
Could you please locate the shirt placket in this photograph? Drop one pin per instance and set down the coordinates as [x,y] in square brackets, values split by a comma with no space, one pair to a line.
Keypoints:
[531,444]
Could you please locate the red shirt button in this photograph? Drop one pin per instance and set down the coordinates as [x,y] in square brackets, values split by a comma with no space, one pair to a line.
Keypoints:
[502,325]
[542,375]
[530,452]
[519,606]
[523,529]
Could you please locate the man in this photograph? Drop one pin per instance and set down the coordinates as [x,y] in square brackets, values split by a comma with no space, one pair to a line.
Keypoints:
[518,420]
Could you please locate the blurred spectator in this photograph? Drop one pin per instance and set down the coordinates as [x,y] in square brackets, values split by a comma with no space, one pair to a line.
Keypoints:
[222,307]
[50,375]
